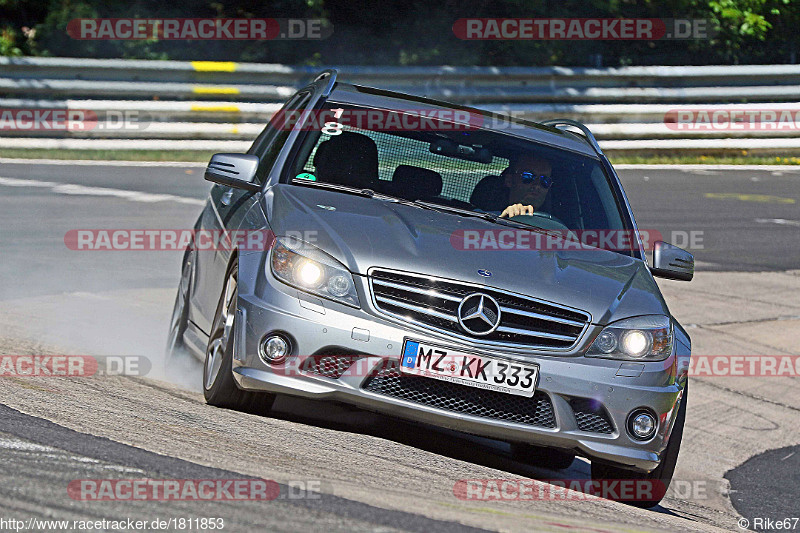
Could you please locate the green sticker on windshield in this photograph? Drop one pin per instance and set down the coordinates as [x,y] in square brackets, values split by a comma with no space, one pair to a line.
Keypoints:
[306,176]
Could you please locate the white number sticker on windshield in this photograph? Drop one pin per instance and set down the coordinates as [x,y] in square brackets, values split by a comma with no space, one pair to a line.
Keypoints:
[334,128]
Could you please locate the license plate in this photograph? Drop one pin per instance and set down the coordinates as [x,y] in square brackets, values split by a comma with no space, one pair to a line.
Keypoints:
[479,371]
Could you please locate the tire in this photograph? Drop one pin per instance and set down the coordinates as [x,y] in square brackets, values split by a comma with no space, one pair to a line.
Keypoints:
[219,387]
[541,456]
[176,348]
[663,473]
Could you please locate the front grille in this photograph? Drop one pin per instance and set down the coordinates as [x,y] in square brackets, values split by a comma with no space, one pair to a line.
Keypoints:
[535,411]
[433,302]
[591,416]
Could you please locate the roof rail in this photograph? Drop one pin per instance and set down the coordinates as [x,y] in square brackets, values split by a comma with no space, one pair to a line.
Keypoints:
[575,124]
[331,74]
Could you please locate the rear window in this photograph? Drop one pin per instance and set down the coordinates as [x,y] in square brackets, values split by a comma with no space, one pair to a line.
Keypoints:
[459,176]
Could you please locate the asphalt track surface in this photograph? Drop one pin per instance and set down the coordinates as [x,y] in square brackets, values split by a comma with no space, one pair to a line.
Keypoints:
[374,473]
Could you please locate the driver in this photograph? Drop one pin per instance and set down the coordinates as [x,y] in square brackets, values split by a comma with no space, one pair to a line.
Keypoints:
[529,179]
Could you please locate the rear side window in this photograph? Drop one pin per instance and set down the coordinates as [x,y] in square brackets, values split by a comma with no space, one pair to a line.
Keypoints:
[269,143]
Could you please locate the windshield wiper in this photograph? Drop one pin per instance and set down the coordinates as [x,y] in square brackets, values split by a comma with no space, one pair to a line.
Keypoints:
[491,217]
[367,193]
[455,210]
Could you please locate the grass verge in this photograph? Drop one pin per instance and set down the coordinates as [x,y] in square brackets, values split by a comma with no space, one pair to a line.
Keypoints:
[108,155]
[619,159]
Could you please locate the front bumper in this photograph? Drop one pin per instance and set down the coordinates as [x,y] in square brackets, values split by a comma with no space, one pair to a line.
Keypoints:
[317,326]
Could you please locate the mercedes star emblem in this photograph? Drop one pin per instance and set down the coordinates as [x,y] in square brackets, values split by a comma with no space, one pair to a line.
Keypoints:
[479,314]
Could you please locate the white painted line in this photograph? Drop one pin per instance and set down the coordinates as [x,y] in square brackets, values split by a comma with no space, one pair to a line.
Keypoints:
[82,190]
[699,166]
[159,145]
[95,462]
[21,445]
[778,221]
[95,163]
[123,469]
[731,144]
[13,182]
[706,264]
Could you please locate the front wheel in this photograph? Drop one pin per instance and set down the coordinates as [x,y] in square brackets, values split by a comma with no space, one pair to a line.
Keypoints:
[219,386]
[661,477]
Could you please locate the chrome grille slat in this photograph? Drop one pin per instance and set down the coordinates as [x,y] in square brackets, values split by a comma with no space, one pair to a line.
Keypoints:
[531,314]
[433,302]
[534,333]
[418,290]
[416,308]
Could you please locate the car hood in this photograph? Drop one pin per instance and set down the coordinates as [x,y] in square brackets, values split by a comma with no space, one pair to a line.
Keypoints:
[366,232]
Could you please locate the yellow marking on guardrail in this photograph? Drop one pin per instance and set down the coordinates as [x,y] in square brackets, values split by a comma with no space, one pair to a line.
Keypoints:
[216,108]
[215,90]
[234,130]
[764,198]
[214,66]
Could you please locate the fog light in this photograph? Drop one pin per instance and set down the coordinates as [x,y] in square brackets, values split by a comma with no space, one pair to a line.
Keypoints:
[642,425]
[273,349]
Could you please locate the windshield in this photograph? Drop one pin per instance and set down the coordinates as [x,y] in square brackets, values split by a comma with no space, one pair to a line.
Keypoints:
[443,164]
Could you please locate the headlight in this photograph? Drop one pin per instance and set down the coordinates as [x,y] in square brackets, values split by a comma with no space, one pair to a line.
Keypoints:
[643,338]
[308,268]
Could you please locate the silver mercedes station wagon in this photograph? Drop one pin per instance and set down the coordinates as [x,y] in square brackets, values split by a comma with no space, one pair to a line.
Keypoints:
[445,265]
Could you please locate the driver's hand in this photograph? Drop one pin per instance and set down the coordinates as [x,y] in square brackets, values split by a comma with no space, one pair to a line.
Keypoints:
[516,210]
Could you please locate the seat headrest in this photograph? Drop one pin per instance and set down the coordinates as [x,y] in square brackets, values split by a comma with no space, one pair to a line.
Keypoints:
[348,159]
[490,194]
[416,183]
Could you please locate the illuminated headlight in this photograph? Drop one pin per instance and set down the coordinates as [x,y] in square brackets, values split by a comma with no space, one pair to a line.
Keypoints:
[643,338]
[309,273]
[308,268]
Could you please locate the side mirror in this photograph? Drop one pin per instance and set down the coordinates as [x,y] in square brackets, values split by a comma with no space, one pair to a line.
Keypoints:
[671,262]
[234,170]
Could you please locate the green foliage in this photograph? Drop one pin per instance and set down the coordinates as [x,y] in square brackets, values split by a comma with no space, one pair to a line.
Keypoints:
[8,40]
[743,18]
[415,32]
[17,21]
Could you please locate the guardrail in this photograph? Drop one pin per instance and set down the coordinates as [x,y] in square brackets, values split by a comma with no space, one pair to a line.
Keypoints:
[189,104]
